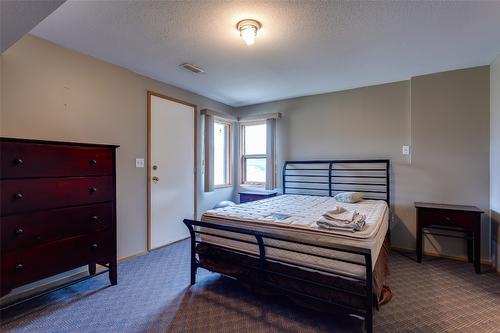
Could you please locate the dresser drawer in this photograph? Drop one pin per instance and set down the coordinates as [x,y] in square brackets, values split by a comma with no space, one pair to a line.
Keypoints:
[39,262]
[31,229]
[25,195]
[447,217]
[21,160]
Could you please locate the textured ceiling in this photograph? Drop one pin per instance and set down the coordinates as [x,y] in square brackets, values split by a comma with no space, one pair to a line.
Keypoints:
[18,17]
[303,48]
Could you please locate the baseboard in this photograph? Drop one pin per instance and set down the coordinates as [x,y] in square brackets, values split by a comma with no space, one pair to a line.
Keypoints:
[54,283]
[163,246]
[133,256]
[440,255]
[37,289]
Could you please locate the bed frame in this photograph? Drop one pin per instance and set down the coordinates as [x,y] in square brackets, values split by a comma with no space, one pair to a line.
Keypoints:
[325,178]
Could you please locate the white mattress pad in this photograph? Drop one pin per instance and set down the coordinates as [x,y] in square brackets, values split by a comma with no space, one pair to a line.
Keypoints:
[296,216]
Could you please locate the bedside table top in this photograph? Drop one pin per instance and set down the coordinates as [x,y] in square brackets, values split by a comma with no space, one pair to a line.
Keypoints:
[258,192]
[448,207]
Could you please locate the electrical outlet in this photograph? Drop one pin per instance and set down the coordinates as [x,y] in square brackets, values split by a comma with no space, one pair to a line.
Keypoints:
[405,150]
[139,163]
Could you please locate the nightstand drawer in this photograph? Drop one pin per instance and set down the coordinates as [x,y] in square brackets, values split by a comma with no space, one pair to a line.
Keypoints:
[447,218]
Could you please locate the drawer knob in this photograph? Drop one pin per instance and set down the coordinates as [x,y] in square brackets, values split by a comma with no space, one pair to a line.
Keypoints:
[19,267]
[19,231]
[447,219]
[94,246]
[94,219]
[93,189]
[18,196]
[93,162]
[18,161]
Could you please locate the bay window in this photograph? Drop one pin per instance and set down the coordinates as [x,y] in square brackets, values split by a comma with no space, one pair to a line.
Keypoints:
[222,153]
[217,161]
[257,158]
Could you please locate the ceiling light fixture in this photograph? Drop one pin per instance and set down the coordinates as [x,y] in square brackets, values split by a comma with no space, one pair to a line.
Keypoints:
[248,30]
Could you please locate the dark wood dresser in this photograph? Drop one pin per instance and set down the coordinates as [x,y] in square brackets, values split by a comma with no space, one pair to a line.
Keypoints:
[449,221]
[58,209]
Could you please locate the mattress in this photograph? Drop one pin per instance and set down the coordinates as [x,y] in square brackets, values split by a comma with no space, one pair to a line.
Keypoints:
[296,216]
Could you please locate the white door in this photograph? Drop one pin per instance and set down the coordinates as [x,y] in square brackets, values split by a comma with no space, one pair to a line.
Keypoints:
[171,175]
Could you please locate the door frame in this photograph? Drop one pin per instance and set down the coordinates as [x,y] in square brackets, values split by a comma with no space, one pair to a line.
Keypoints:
[150,94]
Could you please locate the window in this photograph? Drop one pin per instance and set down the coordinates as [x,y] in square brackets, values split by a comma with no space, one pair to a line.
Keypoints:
[254,153]
[222,153]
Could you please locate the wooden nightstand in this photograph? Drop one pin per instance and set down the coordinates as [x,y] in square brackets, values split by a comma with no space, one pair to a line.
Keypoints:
[247,196]
[437,219]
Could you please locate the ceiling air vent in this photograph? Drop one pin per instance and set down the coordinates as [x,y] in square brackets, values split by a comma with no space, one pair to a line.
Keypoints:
[192,68]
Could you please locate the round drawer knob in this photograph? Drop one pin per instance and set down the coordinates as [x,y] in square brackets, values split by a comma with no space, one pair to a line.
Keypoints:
[447,219]
[19,267]
[94,246]
[94,219]
[93,189]
[19,231]
[93,162]
[18,196]
[18,161]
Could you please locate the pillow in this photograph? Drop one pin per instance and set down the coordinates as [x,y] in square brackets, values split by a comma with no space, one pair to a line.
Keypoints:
[349,197]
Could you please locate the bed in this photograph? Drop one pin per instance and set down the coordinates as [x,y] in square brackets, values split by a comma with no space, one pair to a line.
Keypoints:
[274,246]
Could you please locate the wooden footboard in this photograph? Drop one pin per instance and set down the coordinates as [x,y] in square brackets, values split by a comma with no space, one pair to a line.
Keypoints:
[264,265]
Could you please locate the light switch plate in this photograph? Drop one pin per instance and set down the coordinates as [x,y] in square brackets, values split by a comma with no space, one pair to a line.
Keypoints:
[139,163]
[405,150]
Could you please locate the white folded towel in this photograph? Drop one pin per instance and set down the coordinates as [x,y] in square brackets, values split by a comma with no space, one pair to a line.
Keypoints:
[340,214]
[357,224]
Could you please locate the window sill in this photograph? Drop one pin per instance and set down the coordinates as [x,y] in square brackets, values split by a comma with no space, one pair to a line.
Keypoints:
[250,187]
[218,187]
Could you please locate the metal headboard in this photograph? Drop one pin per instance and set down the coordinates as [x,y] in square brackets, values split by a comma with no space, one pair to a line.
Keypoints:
[329,177]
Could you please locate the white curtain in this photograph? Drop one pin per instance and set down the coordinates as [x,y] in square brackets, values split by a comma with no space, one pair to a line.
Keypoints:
[209,153]
[271,154]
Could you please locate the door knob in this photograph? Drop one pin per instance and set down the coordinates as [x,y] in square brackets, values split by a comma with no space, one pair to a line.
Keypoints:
[156,179]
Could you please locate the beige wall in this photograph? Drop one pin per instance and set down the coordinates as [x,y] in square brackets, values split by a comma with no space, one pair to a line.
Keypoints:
[450,162]
[444,116]
[105,104]
[372,122]
[447,165]
[495,158]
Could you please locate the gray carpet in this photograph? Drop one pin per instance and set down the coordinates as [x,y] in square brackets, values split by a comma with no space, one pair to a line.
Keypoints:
[153,296]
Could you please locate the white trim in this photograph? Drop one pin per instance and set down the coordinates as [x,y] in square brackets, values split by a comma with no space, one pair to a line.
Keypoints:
[263,116]
[229,146]
[218,114]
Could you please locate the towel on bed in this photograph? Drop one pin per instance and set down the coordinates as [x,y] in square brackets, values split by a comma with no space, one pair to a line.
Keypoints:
[340,214]
[357,223]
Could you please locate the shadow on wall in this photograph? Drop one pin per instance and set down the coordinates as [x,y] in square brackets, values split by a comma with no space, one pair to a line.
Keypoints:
[402,210]
[495,238]
[400,229]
